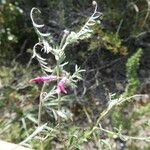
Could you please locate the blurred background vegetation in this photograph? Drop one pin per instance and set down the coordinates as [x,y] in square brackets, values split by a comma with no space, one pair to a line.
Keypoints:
[116,59]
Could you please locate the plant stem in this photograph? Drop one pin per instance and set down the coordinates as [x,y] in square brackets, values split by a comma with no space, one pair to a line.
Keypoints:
[116,102]
[40,105]
[59,98]
[40,112]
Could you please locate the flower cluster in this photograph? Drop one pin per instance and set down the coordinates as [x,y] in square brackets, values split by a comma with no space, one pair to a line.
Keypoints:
[60,85]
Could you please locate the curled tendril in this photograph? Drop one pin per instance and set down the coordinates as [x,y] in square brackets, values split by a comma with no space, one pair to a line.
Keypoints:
[42,43]
[42,61]
[95,4]
[31,16]
[37,26]
[34,49]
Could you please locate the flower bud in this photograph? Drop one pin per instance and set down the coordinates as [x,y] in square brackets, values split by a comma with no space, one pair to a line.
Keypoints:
[66,32]
[94,3]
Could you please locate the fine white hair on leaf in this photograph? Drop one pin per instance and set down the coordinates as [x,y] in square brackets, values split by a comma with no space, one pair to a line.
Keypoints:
[41,60]
[91,21]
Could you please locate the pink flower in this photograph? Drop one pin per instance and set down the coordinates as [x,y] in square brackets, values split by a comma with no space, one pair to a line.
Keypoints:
[61,86]
[44,78]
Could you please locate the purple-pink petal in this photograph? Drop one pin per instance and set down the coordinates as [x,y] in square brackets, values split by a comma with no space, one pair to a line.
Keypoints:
[61,86]
[44,78]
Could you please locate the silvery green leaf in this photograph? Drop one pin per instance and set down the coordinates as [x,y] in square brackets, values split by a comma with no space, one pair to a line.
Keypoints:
[55,114]
[34,49]
[50,94]
[84,36]
[73,85]
[43,34]
[61,58]
[36,132]
[86,27]
[56,57]
[92,20]
[76,67]
[49,104]
[47,69]
[95,17]
[64,64]
[78,77]
[91,23]
[47,47]
[74,80]
[31,118]
[37,25]
[98,22]
[90,30]
[43,63]
[39,57]
[82,70]
[61,114]
[72,37]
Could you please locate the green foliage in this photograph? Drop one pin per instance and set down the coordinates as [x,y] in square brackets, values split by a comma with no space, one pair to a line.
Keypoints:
[12,132]
[119,119]
[77,137]
[132,77]
[132,66]
[10,14]
[142,110]
[113,43]
[108,40]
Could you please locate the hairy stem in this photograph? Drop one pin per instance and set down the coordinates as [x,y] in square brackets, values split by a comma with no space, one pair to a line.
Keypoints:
[40,105]
[40,112]
[59,98]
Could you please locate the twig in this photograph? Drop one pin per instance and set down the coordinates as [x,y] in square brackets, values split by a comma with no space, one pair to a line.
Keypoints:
[40,105]
[124,137]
